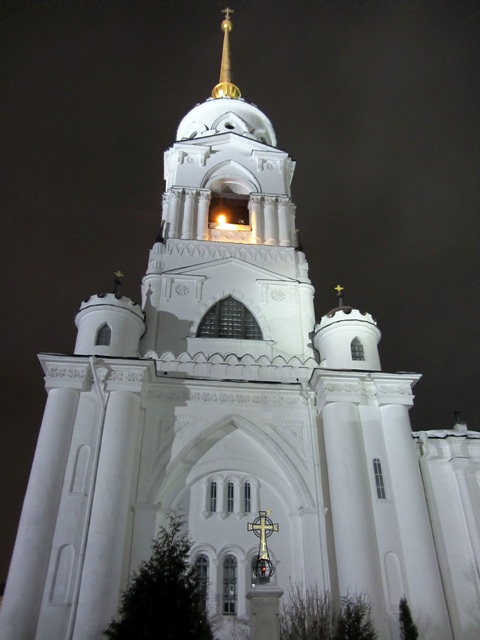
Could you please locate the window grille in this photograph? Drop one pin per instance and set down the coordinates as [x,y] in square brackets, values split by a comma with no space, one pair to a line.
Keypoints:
[357,350]
[201,567]
[229,318]
[104,335]
[230,585]
[247,498]
[230,493]
[213,497]
[379,483]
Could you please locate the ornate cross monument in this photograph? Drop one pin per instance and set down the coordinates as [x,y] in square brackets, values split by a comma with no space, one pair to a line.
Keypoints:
[263,528]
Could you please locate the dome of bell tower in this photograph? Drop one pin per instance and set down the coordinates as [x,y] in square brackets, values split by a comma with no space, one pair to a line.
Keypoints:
[225,111]
[226,115]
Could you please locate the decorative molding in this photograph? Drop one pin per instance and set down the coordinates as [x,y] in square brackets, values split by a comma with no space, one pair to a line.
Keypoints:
[224,397]
[342,387]
[293,431]
[277,295]
[126,375]
[246,367]
[70,373]
[216,251]
[182,289]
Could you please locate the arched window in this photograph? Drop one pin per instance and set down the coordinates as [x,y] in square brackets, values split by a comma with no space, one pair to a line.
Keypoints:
[229,318]
[213,497]
[229,208]
[201,567]
[247,497]
[357,350]
[230,494]
[104,335]
[379,483]
[230,585]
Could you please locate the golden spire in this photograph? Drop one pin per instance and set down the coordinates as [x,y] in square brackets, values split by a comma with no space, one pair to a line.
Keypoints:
[225,88]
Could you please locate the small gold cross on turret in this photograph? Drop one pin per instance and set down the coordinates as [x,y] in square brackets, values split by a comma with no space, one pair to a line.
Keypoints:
[227,13]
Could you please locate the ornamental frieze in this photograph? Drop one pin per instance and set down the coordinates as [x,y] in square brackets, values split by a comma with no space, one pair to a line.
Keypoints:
[70,373]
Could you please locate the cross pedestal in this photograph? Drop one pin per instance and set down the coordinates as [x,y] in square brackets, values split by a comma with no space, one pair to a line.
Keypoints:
[264,612]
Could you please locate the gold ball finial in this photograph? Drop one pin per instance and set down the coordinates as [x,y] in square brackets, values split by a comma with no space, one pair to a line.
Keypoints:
[227,25]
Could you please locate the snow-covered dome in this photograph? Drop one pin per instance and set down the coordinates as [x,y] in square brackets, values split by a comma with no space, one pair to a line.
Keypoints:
[223,115]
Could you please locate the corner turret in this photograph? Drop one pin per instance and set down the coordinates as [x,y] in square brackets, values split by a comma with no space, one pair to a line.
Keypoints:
[347,338]
[109,325]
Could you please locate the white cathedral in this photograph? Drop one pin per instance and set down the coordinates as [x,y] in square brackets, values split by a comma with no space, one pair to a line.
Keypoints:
[222,396]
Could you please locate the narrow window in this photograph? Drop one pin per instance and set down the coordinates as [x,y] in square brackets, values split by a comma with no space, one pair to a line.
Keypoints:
[247,498]
[201,567]
[229,585]
[379,483]
[229,318]
[230,492]
[357,350]
[104,335]
[213,497]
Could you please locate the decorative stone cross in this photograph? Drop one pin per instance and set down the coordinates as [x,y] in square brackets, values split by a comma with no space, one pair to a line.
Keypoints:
[263,528]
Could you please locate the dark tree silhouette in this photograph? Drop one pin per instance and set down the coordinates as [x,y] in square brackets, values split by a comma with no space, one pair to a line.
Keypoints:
[408,629]
[162,599]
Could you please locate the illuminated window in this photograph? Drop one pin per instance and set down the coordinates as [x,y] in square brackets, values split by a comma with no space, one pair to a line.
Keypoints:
[213,497]
[233,208]
[229,318]
[247,497]
[230,493]
[104,335]
[229,585]
[379,483]
[201,567]
[357,350]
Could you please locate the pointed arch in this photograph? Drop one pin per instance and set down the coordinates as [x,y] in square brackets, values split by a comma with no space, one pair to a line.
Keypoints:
[293,489]
[356,348]
[229,318]
[104,335]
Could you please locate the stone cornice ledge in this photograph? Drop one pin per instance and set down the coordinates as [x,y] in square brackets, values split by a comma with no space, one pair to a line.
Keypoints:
[363,387]
[115,374]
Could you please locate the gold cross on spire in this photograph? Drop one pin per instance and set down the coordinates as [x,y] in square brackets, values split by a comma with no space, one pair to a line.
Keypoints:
[262,527]
[225,87]
[339,289]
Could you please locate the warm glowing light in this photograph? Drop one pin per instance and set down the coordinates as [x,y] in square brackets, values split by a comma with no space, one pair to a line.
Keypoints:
[221,219]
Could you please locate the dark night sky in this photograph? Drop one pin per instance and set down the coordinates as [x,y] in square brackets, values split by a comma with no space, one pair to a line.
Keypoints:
[376,100]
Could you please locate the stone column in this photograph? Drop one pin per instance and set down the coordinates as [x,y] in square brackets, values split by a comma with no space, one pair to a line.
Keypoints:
[174,212]
[202,219]
[187,224]
[264,612]
[426,593]
[255,219]
[269,219]
[28,568]
[284,234]
[104,554]
[352,516]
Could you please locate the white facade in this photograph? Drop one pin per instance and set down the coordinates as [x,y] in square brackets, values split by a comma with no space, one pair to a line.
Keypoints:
[231,401]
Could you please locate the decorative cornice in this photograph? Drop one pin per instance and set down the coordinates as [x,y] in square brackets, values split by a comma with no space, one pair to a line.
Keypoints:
[246,367]
[217,250]
[363,388]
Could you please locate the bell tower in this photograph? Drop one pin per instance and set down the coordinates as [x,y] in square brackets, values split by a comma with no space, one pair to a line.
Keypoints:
[226,266]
